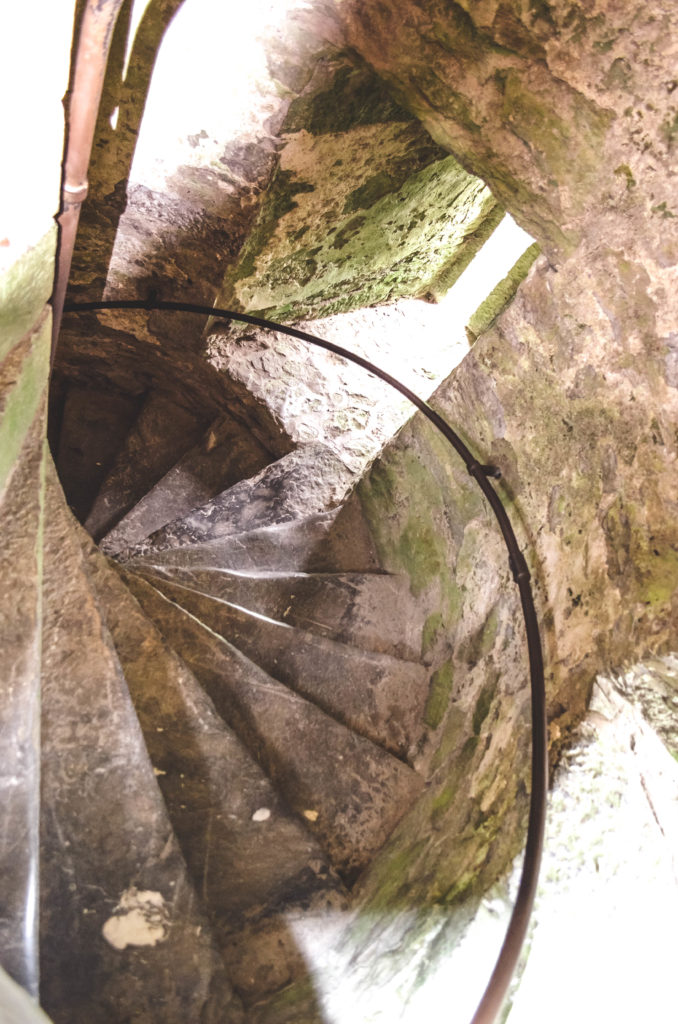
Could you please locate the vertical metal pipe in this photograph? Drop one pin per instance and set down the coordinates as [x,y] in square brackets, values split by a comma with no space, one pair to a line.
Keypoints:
[96,32]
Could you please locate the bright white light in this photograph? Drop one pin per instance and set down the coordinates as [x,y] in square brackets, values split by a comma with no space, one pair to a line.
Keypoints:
[503,248]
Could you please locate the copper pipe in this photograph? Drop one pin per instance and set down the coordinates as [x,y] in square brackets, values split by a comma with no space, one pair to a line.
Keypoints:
[96,32]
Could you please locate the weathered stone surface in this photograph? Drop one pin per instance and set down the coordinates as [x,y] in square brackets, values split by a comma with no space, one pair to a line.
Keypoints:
[111,872]
[25,288]
[252,860]
[363,208]
[21,508]
[653,687]
[309,480]
[376,695]
[161,434]
[501,295]
[320,543]
[352,811]
[225,454]
[94,426]
[371,611]
[23,378]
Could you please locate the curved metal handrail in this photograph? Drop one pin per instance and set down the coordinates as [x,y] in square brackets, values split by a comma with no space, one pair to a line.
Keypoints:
[517,928]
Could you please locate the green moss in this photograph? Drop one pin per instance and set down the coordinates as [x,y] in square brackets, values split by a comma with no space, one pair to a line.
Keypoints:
[568,147]
[23,379]
[24,289]
[439,695]
[663,210]
[279,201]
[670,130]
[441,802]
[625,170]
[354,97]
[483,705]
[421,552]
[500,296]
[409,228]
[390,875]
[430,632]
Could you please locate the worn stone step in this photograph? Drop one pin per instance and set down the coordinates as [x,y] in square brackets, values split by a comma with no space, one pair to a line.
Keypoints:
[161,434]
[334,541]
[122,936]
[226,453]
[376,695]
[306,481]
[252,860]
[373,611]
[350,791]
[22,510]
[94,426]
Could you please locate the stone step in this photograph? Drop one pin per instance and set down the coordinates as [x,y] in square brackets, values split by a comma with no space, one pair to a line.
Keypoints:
[350,791]
[161,434]
[21,507]
[334,541]
[308,480]
[226,453]
[251,859]
[94,426]
[376,695]
[373,611]
[122,935]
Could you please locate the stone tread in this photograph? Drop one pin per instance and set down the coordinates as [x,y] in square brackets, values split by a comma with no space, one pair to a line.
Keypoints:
[312,544]
[211,784]
[373,611]
[162,433]
[251,872]
[94,426]
[105,835]
[226,453]
[308,480]
[350,791]
[20,640]
[376,695]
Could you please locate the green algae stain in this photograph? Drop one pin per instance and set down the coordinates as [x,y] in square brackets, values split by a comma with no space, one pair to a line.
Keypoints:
[483,705]
[421,553]
[500,296]
[279,201]
[430,632]
[24,374]
[439,695]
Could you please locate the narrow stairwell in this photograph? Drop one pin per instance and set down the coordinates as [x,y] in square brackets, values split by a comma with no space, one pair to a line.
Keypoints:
[231,720]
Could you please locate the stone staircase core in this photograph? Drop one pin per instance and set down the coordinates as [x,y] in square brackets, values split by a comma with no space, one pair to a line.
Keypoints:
[232,713]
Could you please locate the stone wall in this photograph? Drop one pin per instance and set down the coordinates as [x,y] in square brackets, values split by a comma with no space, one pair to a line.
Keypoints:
[37,71]
[572,393]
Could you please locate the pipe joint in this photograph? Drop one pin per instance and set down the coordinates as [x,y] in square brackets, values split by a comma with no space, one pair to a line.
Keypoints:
[75,195]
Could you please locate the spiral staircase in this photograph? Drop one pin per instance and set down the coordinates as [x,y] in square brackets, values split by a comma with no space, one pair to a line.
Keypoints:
[233,706]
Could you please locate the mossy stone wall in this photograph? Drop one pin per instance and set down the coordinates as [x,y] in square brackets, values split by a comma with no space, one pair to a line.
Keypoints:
[364,207]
